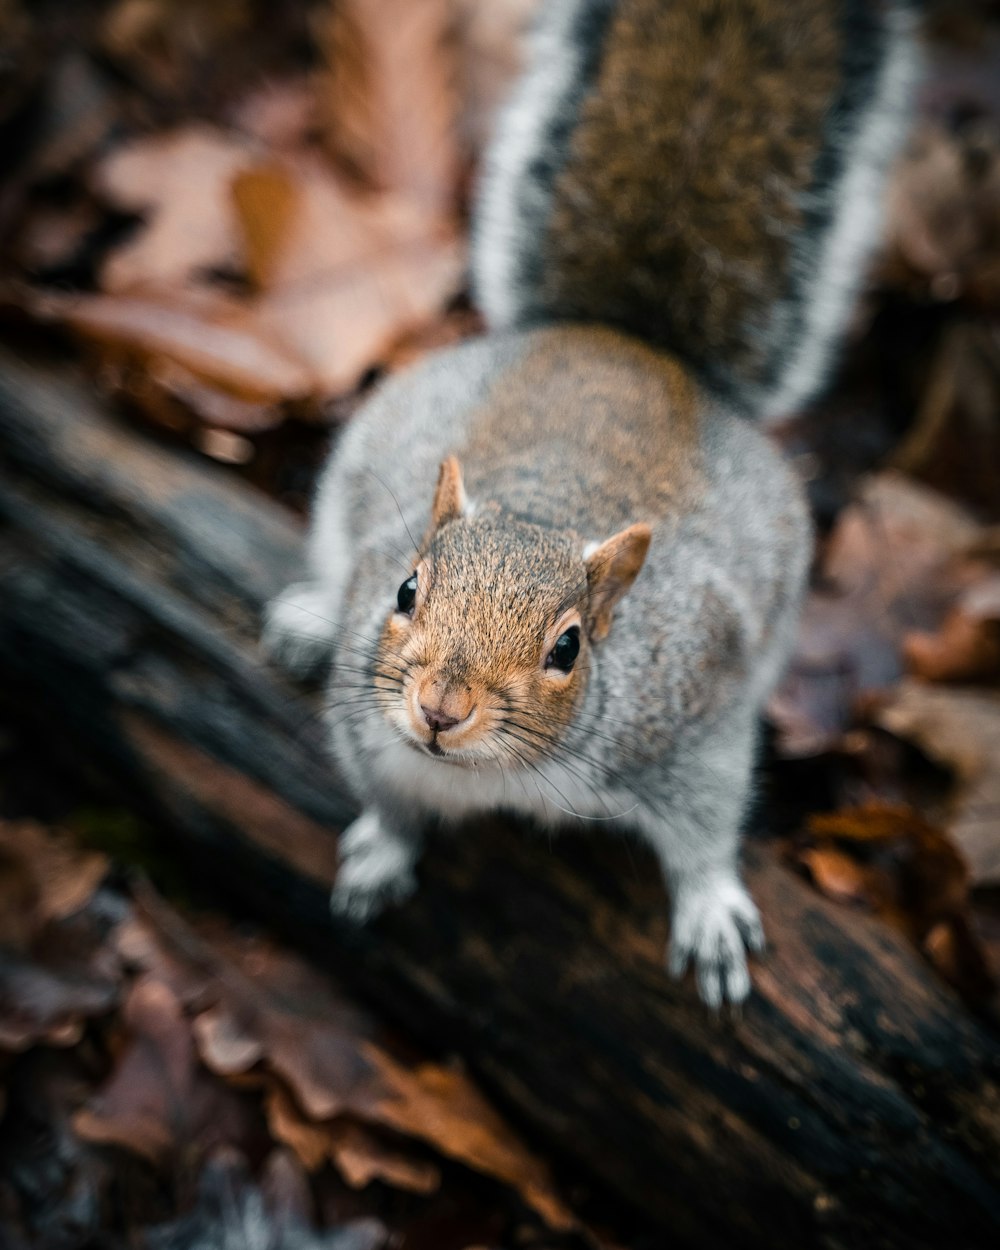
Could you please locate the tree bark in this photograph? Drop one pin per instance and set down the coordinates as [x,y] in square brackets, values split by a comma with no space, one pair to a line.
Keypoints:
[855,1102]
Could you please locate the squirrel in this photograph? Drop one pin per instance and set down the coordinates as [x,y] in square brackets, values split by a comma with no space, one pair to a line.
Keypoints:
[581,621]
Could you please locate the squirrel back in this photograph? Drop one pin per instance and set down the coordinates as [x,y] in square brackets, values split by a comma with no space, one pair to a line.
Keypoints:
[704,175]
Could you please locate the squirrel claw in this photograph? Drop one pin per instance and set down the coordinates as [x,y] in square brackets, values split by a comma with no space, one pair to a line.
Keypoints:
[712,929]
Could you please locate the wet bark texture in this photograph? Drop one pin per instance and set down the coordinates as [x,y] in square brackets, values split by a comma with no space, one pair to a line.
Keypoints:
[854,1103]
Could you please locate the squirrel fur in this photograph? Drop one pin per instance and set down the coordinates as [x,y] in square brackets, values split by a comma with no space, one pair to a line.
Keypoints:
[581,620]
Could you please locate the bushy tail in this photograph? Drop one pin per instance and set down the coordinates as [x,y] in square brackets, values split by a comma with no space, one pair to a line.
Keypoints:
[705,174]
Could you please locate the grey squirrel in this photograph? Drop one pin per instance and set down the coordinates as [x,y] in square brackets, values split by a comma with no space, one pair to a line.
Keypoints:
[580,624]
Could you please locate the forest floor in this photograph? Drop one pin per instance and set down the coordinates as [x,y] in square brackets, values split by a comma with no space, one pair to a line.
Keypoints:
[234,219]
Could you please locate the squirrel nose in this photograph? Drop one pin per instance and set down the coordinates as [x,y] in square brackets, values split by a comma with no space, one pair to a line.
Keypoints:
[437,718]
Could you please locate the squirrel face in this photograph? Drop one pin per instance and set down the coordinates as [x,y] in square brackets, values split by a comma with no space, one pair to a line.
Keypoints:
[486,647]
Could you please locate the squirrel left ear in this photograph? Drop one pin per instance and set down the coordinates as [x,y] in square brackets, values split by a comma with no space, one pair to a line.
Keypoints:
[450,501]
[611,569]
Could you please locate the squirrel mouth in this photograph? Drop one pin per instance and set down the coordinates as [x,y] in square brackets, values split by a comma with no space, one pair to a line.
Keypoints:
[439,753]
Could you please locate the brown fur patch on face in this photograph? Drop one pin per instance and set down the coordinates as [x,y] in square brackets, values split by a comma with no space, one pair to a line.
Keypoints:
[495,594]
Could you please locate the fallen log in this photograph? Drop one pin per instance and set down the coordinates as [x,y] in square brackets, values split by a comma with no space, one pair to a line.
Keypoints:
[854,1102]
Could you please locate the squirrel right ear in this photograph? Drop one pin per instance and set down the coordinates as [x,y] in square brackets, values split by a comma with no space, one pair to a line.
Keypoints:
[450,501]
[611,569]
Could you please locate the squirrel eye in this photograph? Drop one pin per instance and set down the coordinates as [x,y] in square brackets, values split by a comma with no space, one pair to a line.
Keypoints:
[563,654]
[407,595]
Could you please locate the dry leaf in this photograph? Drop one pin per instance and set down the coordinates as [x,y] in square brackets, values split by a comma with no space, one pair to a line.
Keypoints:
[56,971]
[389,100]
[967,646]
[47,999]
[907,871]
[348,276]
[443,1107]
[274,1016]
[954,440]
[362,1156]
[63,878]
[209,337]
[340,276]
[837,874]
[267,199]
[894,564]
[359,1154]
[167,43]
[960,729]
[180,181]
[943,208]
[280,114]
[158,1099]
[166,389]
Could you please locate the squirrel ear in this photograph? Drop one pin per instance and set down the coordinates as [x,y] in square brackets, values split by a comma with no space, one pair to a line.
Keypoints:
[450,500]
[611,569]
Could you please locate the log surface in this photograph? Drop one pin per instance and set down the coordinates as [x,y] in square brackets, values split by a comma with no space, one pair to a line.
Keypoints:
[854,1103]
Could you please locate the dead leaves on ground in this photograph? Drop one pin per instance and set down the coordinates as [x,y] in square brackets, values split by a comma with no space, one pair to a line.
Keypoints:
[904,607]
[893,696]
[273,252]
[335,276]
[957,728]
[908,871]
[56,970]
[216,1041]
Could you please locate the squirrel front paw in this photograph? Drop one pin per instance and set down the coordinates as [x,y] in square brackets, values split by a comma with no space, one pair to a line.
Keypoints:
[713,925]
[376,869]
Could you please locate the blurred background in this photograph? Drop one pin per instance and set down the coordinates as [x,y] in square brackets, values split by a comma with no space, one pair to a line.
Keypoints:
[220,225]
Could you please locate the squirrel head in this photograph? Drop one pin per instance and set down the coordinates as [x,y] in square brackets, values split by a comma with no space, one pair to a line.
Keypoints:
[486,646]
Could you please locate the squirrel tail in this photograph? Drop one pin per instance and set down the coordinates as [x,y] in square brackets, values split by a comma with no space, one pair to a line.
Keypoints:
[703,174]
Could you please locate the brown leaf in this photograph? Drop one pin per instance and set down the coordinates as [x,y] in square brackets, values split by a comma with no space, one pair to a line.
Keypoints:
[894,564]
[159,1100]
[209,337]
[169,382]
[280,114]
[275,1016]
[181,182]
[349,275]
[837,874]
[63,878]
[362,1156]
[266,201]
[960,729]
[906,870]
[359,1154]
[913,873]
[943,205]
[48,1001]
[954,441]
[389,100]
[967,646]
[443,1107]
[167,43]
[957,952]
[340,276]
[56,968]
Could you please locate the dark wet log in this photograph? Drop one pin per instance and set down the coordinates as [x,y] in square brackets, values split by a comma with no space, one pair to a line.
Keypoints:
[854,1103]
